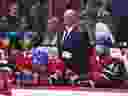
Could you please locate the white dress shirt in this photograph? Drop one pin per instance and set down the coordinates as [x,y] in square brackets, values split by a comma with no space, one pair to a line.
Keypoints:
[67,30]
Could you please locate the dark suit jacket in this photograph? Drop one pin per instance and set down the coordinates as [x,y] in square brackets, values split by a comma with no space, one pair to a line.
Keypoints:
[121,30]
[77,45]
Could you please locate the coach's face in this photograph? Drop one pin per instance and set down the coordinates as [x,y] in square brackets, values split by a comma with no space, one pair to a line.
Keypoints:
[70,17]
[69,20]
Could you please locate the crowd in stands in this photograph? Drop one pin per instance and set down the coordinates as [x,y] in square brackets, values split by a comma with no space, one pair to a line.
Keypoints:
[42,65]
[27,65]
[36,58]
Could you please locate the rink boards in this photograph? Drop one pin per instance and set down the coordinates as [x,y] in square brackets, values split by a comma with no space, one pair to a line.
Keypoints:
[34,92]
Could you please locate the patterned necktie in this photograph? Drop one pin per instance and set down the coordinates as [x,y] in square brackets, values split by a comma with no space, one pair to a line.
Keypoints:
[67,32]
[66,35]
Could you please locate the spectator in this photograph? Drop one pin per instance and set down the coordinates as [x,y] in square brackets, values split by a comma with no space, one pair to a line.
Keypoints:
[56,69]
[40,55]
[55,64]
[23,61]
[125,60]
[104,38]
[4,41]
[39,64]
[3,56]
